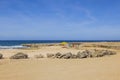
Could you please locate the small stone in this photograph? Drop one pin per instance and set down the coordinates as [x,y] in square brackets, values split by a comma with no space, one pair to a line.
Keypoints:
[50,55]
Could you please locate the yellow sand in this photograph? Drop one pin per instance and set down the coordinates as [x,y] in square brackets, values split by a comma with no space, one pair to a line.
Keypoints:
[104,68]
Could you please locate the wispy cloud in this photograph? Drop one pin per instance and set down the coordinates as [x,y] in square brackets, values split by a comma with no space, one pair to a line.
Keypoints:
[68,17]
[90,18]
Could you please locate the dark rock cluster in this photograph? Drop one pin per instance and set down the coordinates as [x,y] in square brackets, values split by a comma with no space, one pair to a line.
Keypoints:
[83,54]
[79,55]
[19,55]
[1,56]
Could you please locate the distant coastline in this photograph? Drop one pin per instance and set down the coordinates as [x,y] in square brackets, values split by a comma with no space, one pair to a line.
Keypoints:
[16,44]
[20,42]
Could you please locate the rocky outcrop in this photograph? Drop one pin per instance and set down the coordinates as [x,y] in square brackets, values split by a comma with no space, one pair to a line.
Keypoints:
[82,54]
[101,53]
[19,56]
[1,56]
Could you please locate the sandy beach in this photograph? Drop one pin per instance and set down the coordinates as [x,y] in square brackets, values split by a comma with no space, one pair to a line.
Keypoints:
[59,39]
[103,68]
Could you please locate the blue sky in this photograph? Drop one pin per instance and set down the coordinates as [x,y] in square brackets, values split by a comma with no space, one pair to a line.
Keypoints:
[60,19]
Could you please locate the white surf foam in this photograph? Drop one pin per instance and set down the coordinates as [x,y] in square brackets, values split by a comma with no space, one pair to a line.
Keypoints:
[13,47]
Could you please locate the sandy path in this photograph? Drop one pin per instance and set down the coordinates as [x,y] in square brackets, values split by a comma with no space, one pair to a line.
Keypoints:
[105,68]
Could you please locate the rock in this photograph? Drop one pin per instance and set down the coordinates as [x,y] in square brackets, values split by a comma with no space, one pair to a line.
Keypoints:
[67,55]
[92,53]
[107,52]
[1,56]
[101,53]
[79,54]
[19,55]
[58,55]
[50,55]
[112,53]
[95,53]
[39,56]
[89,53]
[83,54]
[74,56]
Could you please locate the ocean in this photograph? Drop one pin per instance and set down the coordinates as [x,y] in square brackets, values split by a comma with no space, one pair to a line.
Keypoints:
[5,44]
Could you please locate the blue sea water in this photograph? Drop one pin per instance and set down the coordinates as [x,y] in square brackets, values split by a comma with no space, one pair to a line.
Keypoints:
[18,43]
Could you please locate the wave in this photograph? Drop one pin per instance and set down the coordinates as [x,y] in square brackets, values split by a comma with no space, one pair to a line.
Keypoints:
[13,47]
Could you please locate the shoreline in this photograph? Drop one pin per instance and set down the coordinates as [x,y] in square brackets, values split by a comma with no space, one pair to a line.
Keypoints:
[44,49]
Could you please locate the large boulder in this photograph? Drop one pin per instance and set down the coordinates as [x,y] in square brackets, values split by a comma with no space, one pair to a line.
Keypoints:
[92,53]
[83,54]
[67,55]
[88,53]
[19,55]
[99,53]
[1,56]
[95,53]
